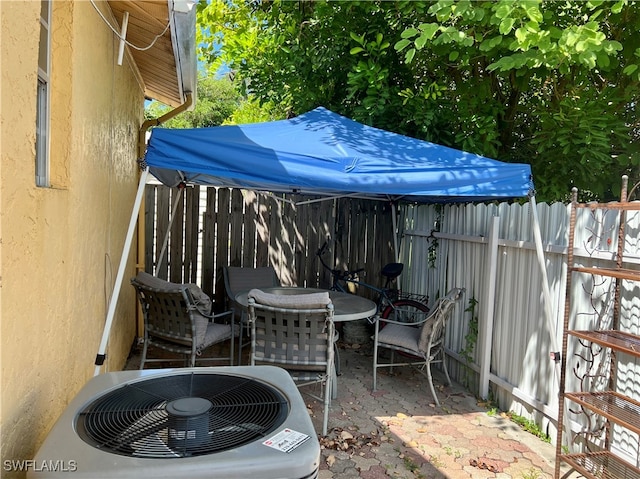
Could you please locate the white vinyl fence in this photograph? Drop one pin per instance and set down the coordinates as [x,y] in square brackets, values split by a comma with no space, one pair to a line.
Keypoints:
[446,246]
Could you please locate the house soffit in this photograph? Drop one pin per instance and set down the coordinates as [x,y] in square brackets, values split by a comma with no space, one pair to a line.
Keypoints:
[160,46]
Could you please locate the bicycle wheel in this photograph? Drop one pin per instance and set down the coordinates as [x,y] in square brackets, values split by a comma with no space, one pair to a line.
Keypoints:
[405,311]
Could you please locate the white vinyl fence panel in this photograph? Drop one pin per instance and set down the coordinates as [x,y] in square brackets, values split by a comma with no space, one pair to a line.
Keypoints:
[445,246]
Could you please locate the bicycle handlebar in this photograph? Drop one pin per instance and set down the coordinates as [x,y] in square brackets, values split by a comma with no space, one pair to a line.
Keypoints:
[322,249]
[347,275]
[337,274]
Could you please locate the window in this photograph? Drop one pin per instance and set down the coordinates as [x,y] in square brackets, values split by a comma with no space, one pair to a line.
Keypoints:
[42,107]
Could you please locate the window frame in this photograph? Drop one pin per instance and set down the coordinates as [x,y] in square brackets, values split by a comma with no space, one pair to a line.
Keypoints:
[42,176]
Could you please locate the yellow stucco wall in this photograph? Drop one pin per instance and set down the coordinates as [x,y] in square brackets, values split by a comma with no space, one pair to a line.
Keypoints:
[61,246]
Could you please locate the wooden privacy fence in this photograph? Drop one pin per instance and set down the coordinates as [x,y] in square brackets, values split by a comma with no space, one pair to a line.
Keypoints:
[216,227]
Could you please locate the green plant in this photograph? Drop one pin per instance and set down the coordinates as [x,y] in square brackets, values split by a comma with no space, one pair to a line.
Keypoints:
[412,466]
[432,251]
[436,462]
[470,340]
[532,473]
[451,452]
[528,425]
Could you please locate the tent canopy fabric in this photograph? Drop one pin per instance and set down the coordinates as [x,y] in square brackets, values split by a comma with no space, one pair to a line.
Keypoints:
[325,154]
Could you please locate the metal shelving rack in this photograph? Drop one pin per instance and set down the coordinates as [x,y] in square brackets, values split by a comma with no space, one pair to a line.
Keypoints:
[607,406]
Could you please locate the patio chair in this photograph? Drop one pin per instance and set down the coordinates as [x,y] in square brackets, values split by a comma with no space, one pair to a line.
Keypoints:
[296,332]
[420,343]
[178,318]
[239,279]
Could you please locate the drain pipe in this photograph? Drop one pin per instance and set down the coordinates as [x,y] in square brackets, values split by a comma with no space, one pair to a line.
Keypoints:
[142,134]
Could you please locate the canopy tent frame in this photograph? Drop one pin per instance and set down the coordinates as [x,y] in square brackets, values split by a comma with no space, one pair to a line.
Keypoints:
[351,151]
[321,153]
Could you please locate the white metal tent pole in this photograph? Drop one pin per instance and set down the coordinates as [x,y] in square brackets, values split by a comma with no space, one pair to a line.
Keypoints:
[166,236]
[119,277]
[547,308]
[488,307]
[537,236]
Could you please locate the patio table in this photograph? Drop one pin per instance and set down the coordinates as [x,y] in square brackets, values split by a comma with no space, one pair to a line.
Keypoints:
[346,307]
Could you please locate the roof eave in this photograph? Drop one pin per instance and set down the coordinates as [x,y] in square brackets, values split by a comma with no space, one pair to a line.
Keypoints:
[160,35]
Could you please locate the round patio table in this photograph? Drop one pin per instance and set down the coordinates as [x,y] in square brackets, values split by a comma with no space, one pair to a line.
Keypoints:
[346,307]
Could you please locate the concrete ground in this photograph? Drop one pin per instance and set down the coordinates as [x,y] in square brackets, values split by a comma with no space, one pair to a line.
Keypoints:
[399,432]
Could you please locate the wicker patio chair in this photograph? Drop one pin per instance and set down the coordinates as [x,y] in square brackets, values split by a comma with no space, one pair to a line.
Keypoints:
[178,318]
[296,332]
[421,343]
[239,279]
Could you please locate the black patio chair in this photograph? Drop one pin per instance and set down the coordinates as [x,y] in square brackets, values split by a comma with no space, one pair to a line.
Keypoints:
[179,318]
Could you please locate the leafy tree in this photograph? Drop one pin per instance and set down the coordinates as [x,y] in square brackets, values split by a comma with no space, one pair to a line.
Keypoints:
[557,83]
[553,84]
[217,100]
[251,111]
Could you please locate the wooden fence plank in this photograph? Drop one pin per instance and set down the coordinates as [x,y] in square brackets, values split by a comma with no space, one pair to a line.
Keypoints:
[192,216]
[287,239]
[175,247]
[262,227]
[327,229]
[339,246]
[162,225]
[275,214]
[236,222]
[303,237]
[222,242]
[149,227]
[250,201]
[209,241]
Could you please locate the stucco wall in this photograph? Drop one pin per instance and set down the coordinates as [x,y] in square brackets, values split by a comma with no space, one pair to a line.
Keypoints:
[61,246]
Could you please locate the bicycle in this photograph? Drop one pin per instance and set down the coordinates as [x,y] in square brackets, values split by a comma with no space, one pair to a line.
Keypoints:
[391,302]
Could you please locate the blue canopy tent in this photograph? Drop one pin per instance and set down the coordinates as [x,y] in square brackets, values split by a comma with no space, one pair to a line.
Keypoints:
[324,154]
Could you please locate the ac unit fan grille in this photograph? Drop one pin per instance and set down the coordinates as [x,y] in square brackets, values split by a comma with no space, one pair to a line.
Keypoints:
[139,418]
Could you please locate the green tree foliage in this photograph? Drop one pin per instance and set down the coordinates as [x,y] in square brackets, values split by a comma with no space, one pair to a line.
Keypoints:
[217,100]
[251,111]
[550,83]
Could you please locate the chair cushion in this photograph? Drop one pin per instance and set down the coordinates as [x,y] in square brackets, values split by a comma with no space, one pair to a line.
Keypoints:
[214,333]
[291,301]
[203,304]
[405,337]
[202,301]
[155,282]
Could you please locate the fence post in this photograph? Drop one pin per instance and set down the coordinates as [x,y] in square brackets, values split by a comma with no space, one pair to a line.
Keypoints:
[485,331]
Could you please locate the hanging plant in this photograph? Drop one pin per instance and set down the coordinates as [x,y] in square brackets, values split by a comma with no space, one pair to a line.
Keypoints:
[432,251]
